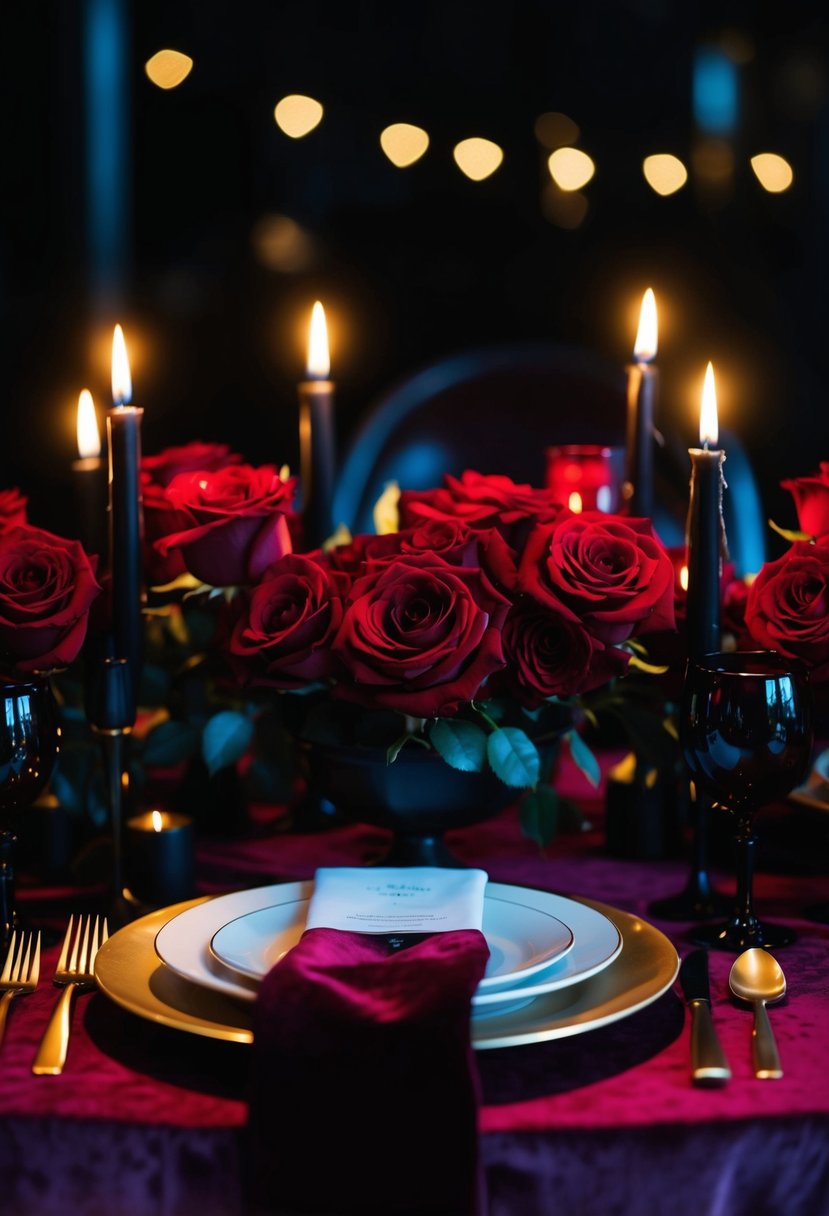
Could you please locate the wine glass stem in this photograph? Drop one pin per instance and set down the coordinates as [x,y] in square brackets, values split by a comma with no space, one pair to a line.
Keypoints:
[745,842]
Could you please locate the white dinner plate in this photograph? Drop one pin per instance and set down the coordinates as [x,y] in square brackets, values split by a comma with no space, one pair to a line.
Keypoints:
[183,942]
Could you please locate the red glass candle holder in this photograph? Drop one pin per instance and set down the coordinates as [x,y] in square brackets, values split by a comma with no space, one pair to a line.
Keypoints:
[586,476]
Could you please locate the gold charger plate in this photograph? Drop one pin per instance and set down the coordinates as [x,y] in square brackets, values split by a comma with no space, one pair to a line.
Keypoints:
[129,972]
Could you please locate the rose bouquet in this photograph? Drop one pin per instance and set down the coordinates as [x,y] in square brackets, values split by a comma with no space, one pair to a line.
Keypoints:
[484,621]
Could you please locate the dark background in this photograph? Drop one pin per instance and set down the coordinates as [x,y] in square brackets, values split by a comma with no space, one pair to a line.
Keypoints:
[411,264]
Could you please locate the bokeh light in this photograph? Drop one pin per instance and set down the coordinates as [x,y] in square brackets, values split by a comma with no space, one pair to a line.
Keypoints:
[167,68]
[478,158]
[570,168]
[773,172]
[403,143]
[664,173]
[297,115]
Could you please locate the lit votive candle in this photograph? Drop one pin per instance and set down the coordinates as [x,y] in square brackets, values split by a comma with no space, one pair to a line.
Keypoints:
[159,857]
[585,476]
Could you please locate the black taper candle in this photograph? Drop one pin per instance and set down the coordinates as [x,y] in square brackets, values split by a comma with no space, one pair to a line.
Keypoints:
[704,538]
[637,490]
[126,523]
[316,436]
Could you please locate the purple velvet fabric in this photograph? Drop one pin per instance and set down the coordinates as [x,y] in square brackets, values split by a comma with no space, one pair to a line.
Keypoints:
[147,1121]
[362,1060]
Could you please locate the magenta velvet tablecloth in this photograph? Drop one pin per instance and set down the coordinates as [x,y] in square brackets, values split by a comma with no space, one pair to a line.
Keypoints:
[147,1121]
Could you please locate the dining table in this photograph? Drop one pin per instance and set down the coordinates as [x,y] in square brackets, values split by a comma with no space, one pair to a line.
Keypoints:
[147,1119]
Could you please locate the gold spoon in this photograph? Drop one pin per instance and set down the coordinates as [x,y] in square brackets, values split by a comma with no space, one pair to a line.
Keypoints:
[757,977]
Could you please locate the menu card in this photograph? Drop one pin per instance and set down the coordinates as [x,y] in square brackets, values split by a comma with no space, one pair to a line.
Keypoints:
[392,899]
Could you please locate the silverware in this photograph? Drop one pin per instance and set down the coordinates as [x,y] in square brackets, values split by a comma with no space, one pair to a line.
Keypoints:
[20,973]
[75,972]
[709,1066]
[757,977]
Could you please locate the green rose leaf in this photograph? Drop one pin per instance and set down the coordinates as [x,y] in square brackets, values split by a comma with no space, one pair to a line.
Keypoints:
[538,814]
[583,757]
[169,743]
[513,757]
[227,736]
[461,744]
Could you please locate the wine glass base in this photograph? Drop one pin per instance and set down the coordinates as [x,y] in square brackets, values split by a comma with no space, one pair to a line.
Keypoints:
[736,937]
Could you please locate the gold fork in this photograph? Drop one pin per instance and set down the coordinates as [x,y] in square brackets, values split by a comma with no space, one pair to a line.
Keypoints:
[20,973]
[75,972]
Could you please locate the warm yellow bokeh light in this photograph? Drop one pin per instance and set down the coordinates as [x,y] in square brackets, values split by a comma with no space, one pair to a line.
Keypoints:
[297,115]
[575,503]
[554,130]
[664,173]
[281,244]
[403,143]
[709,429]
[477,158]
[773,172]
[168,68]
[570,168]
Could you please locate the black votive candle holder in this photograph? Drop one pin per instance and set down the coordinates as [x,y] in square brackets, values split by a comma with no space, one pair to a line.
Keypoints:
[159,858]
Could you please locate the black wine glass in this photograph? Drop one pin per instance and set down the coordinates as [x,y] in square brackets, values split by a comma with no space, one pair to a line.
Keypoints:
[746,733]
[28,748]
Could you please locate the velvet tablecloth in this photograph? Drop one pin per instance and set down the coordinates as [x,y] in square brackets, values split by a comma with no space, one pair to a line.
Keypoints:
[147,1121]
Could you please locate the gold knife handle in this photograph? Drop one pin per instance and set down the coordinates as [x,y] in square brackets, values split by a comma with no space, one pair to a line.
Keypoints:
[708,1063]
[763,1046]
[51,1054]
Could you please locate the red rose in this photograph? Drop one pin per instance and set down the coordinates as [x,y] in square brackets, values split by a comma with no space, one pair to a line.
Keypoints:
[47,585]
[231,523]
[788,605]
[811,500]
[549,655]
[610,573]
[188,458]
[283,636]
[420,636]
[12,509]
[482,502]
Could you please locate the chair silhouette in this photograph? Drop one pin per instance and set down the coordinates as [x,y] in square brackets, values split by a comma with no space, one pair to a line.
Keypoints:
[496,410]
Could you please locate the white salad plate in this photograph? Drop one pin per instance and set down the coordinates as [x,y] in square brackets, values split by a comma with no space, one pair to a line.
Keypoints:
[523,962]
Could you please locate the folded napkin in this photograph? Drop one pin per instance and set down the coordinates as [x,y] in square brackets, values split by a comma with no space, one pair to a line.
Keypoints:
[364,1088]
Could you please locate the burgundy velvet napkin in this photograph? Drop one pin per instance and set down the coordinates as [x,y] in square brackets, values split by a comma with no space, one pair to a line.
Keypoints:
[364,1088]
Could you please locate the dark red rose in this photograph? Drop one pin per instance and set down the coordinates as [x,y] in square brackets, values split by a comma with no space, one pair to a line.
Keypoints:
[811,500]
[47,585]
[283,636]
[420,636]
[482,502]
[611,574]
[188,458]
[787,608]
[160,519]
[232,523]
[549,655]
[12,509]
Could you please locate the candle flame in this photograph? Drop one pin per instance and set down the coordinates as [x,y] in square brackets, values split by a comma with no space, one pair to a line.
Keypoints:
[683,578]
[646,336]
[319,361]
[121,379]
[158,822]
[709,431]
[574,502]
[89,437]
